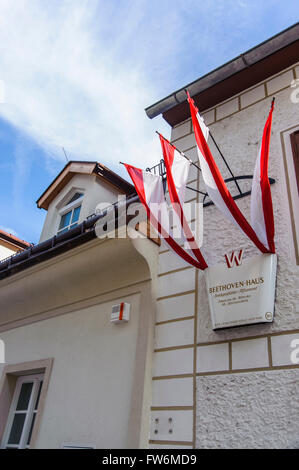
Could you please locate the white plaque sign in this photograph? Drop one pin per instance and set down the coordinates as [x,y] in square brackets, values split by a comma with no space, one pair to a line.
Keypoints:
[242,294]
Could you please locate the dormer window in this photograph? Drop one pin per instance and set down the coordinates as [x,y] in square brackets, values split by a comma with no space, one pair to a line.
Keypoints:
[70,213]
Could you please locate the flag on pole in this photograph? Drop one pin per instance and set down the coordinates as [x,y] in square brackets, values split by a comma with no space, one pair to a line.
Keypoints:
[149,188]
[262,218]
[215,184]
[177,169]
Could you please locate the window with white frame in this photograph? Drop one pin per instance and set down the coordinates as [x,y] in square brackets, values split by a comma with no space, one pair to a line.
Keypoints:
[69,214]
[23,412]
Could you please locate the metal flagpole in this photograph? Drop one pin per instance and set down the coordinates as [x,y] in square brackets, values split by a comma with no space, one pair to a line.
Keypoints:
[185,156]
[227,165]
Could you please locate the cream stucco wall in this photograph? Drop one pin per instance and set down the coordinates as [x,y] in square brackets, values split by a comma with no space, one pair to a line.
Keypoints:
[99,390]
[89,395]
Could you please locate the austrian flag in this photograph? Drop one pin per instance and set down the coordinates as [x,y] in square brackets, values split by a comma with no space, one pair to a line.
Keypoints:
[262,219]
[177,169]
[216,186]
[149,188]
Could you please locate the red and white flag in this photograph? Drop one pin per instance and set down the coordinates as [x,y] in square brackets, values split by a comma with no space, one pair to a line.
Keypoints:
[215,184]
[149,188]
[177,169]
[262,218]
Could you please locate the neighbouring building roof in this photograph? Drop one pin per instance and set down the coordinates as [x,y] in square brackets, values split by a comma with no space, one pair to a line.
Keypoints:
[82,167]
[78,235]
[58,244]
[13,240]
[49,248]
[246,70]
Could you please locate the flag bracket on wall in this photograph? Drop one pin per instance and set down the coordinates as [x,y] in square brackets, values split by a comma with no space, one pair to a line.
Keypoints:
[237,196]
[160,170]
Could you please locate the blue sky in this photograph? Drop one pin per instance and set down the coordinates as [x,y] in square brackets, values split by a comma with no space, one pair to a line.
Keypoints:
[79,73]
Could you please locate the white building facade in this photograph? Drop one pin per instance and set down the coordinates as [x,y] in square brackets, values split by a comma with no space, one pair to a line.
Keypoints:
[165,378]
[236,387]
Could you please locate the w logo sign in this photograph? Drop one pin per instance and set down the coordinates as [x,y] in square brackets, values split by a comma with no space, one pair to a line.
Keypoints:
[234,259]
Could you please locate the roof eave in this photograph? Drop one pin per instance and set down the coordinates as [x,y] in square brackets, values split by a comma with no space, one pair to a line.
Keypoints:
[82,167]
[242,62]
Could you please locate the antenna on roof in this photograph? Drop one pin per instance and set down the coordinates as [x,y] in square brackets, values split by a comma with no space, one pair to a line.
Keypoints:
[65,154]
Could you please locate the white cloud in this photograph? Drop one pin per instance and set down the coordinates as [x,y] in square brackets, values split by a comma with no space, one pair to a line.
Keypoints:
[78,73]
[67,86]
